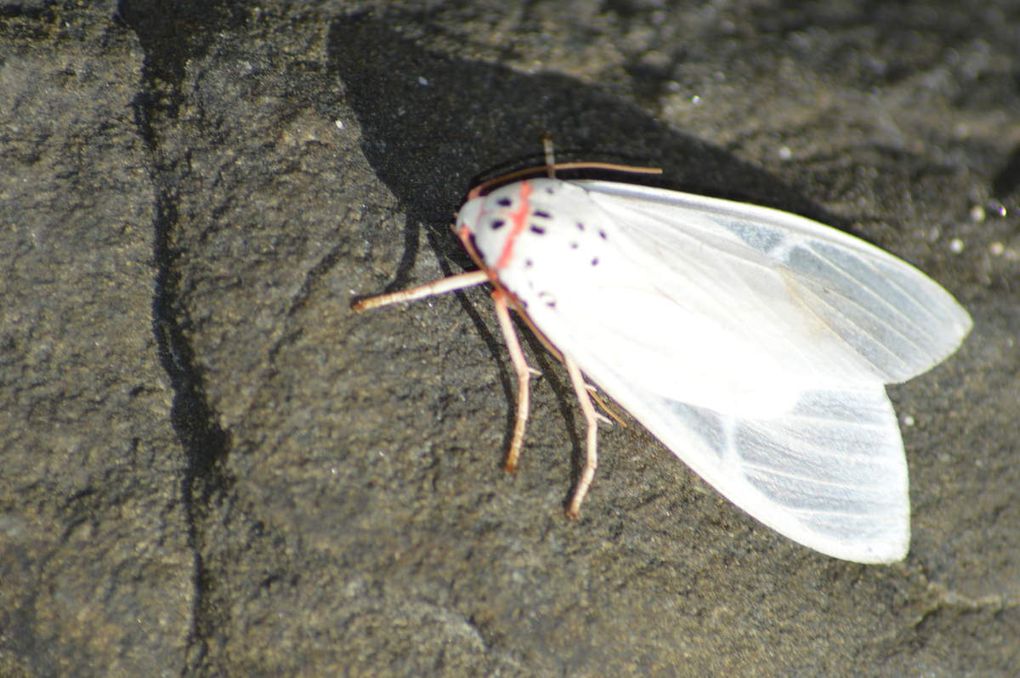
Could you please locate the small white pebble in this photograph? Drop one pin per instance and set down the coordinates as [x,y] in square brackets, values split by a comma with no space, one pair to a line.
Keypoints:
[977,214]
[785,153]
[955,245]
[696,100]
[339,123]
[996,248]
[908,420]
[423,81]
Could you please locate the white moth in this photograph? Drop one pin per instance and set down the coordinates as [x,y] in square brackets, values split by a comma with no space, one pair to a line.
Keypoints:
[752,342]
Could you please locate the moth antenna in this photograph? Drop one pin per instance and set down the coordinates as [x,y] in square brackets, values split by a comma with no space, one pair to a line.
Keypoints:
[483,187]
[550,155]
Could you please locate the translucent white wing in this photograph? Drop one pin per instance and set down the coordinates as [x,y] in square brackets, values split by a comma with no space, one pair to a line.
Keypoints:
[831,474]
[732,307]
[888,312]
[828,471]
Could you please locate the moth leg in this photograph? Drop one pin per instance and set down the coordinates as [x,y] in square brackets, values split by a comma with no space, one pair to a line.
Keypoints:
[591,449]
[429,289]
[523,372]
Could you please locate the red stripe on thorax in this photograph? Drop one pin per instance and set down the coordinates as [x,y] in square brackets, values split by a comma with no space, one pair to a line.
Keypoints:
[518,220]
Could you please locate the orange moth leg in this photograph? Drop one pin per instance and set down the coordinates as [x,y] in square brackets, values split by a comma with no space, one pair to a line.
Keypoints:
[429,289]
[523,372]
[591,448]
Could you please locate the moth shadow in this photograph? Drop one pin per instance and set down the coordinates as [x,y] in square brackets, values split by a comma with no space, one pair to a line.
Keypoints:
[432,123]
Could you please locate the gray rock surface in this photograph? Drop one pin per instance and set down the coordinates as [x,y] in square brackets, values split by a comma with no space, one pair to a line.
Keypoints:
[211,466]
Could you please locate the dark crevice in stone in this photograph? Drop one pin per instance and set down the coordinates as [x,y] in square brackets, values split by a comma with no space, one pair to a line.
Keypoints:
[206,445]
[193,420]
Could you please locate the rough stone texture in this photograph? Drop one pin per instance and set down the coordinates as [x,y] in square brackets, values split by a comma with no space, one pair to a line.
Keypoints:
[96,573]
[211,466]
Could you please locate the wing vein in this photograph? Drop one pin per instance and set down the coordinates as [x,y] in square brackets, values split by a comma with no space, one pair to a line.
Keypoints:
[808,480]
[874,294]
